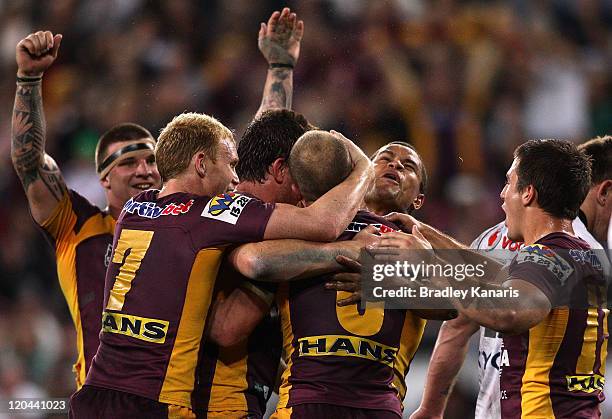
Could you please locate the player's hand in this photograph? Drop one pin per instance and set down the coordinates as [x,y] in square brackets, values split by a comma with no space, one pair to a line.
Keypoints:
[349,281]
[399,240]
[36,52]
[357,155]
[420,413]
[404,221]
[369,237]
[279,39]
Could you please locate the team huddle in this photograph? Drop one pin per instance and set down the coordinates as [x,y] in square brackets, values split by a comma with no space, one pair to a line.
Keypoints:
[219,265]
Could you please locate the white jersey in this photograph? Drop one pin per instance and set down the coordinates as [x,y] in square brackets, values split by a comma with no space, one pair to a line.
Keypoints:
[491,355]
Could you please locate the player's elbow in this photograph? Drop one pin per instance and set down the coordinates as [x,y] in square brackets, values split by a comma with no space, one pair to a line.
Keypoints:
[513,322]
[326,232]
[251,265]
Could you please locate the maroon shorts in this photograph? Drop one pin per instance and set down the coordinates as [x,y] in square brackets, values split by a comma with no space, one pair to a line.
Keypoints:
[101,403]
[330,411]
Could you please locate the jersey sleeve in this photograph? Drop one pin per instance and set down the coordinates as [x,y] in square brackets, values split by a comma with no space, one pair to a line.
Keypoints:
[68,217]
[235,218]
[544,268]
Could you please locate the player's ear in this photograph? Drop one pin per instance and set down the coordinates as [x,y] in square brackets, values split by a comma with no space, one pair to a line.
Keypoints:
[200,164]
[604,192]
[418,201]
[278,170]
[529,195]
[105,182]
[295,191]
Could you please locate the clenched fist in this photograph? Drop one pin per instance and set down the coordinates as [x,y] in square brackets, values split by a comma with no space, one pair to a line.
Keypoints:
[36,52]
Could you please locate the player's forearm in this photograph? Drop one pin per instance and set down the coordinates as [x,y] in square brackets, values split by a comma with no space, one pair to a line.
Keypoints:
[278,90]
[446,361]
[287,260]
[509,308]
[39,174]
[28,132]
[339,205]
[438,239]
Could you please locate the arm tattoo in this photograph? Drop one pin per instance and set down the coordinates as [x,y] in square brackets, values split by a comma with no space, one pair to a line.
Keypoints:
[278,91]
[28,141]
[52,177]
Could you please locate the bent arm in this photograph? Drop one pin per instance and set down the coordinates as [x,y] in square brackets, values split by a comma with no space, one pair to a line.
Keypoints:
[38,172]
[524,307]
[287,260]
[234,317]
[328,216]
[446,361]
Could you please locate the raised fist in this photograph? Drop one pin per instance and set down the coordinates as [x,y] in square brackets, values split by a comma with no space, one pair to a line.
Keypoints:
[279,39]
[36,52]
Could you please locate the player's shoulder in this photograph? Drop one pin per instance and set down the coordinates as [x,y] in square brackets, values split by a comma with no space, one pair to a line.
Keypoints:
[82,206]
[228,207]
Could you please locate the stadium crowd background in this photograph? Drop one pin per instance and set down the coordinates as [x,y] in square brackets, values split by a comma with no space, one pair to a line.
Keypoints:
[465,81]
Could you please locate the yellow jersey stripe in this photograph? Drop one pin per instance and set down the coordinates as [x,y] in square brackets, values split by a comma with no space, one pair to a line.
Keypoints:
[544,343]
[180,374]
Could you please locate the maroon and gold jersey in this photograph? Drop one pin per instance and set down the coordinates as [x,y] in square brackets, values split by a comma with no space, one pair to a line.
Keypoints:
[167,252]
[82,236]
[240,378]
[342,355]
[556,369]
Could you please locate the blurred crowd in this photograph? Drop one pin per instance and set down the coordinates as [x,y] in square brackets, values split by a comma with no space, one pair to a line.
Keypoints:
[464,81]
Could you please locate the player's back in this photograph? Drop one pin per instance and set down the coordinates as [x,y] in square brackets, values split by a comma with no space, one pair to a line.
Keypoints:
[167,252]
[338,355]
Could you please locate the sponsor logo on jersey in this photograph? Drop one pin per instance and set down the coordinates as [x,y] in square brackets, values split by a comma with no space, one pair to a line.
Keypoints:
[496,360]
[585,383]
[151,210]
[149,330]
[498,239]
[494,238]
[544,256]
[226,207]
[355,227]
[586,257]
[341,345]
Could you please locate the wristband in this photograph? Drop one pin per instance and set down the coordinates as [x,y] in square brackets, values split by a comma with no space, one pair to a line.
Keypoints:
[281,65]
[29,79]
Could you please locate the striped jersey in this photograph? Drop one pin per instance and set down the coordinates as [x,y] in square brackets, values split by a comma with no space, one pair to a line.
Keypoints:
[343,355]
[556,369]
[159,285]
[82,236]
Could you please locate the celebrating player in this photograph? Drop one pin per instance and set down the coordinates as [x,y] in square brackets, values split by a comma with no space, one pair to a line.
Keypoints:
[237,376]
[80,232]
[454,335]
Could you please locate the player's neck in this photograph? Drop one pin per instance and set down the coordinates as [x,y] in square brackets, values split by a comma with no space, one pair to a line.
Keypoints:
[379,208]
[539,224]
[184,184]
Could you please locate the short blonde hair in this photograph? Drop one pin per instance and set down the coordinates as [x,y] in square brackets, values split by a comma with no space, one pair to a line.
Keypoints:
[186,135]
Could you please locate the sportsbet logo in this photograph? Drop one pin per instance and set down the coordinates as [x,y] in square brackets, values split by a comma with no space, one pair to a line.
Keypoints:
[149,330]
[226,207]
[340,345]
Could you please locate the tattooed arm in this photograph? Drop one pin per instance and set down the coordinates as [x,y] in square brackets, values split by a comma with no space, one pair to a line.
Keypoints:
[279,42]
[38,172]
